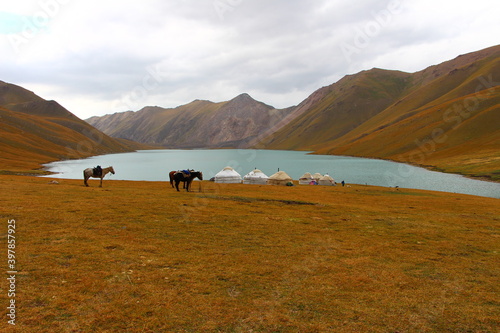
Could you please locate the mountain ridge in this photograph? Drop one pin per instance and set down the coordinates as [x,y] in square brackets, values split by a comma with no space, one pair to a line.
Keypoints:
[198,124]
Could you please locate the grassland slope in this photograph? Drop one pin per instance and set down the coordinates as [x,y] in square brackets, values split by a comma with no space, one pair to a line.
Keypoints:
[36,131]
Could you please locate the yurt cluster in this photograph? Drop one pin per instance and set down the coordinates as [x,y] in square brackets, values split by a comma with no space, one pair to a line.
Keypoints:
[230,176]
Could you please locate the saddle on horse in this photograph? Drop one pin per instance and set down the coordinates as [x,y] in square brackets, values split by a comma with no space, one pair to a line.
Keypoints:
[186,173]
[97,172]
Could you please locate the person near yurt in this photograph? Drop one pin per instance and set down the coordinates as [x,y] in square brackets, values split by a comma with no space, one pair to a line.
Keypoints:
[228,176]
[326,180]
[280,178]
[255,177]
[306,179]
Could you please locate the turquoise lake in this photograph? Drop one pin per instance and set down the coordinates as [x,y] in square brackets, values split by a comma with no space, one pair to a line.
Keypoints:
[154,165]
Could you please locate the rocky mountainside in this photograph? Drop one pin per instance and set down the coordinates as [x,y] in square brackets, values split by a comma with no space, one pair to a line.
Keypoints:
[37,131]
[199,124]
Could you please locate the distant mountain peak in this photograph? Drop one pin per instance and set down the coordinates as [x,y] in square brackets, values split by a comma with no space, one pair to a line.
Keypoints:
[243,97]
[200,123]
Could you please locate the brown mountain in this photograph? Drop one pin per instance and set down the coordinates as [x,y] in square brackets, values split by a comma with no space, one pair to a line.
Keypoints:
[445,116]
[234,123]
[36,131]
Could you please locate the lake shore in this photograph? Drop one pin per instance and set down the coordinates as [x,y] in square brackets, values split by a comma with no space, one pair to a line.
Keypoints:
[154,165]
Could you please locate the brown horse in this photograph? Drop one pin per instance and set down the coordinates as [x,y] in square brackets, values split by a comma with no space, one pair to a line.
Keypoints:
[89,172]
[178,177]
[171,176]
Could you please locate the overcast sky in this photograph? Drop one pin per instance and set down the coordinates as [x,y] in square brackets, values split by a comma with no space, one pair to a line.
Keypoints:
[98,57]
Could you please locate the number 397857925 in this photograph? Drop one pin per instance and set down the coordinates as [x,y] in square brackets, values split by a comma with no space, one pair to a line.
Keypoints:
[11,240]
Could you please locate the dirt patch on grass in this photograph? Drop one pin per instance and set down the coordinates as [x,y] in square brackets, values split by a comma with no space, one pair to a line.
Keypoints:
[248,199]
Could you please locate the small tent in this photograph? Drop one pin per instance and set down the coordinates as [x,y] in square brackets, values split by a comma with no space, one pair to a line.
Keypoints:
[306,179]
[255,177]
[228,175]
[280,178]
[326,180]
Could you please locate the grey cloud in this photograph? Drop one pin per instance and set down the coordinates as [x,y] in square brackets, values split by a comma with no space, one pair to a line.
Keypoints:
[282,50]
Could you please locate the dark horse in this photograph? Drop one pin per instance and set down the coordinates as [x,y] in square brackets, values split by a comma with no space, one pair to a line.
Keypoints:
[178,177]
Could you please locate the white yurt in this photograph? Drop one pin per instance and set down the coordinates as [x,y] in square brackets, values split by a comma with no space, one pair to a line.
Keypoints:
[255,177]
[326,180]
[280,178]
[306,179]
[317,176]
[228,175]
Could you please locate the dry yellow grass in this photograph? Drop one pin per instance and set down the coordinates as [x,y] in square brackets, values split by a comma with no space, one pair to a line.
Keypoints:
[141,257]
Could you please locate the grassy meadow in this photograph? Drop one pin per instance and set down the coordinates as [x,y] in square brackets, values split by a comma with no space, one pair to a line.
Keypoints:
[142,257]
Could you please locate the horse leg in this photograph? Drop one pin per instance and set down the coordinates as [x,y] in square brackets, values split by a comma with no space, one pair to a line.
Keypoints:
[100,185]
[188,183]
[85,178]
[177,185]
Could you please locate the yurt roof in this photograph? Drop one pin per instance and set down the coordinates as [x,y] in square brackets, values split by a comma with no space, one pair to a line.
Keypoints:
[280,175]
[228,172]
[326,177]
[256,174]
[317,175]
[307,175]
